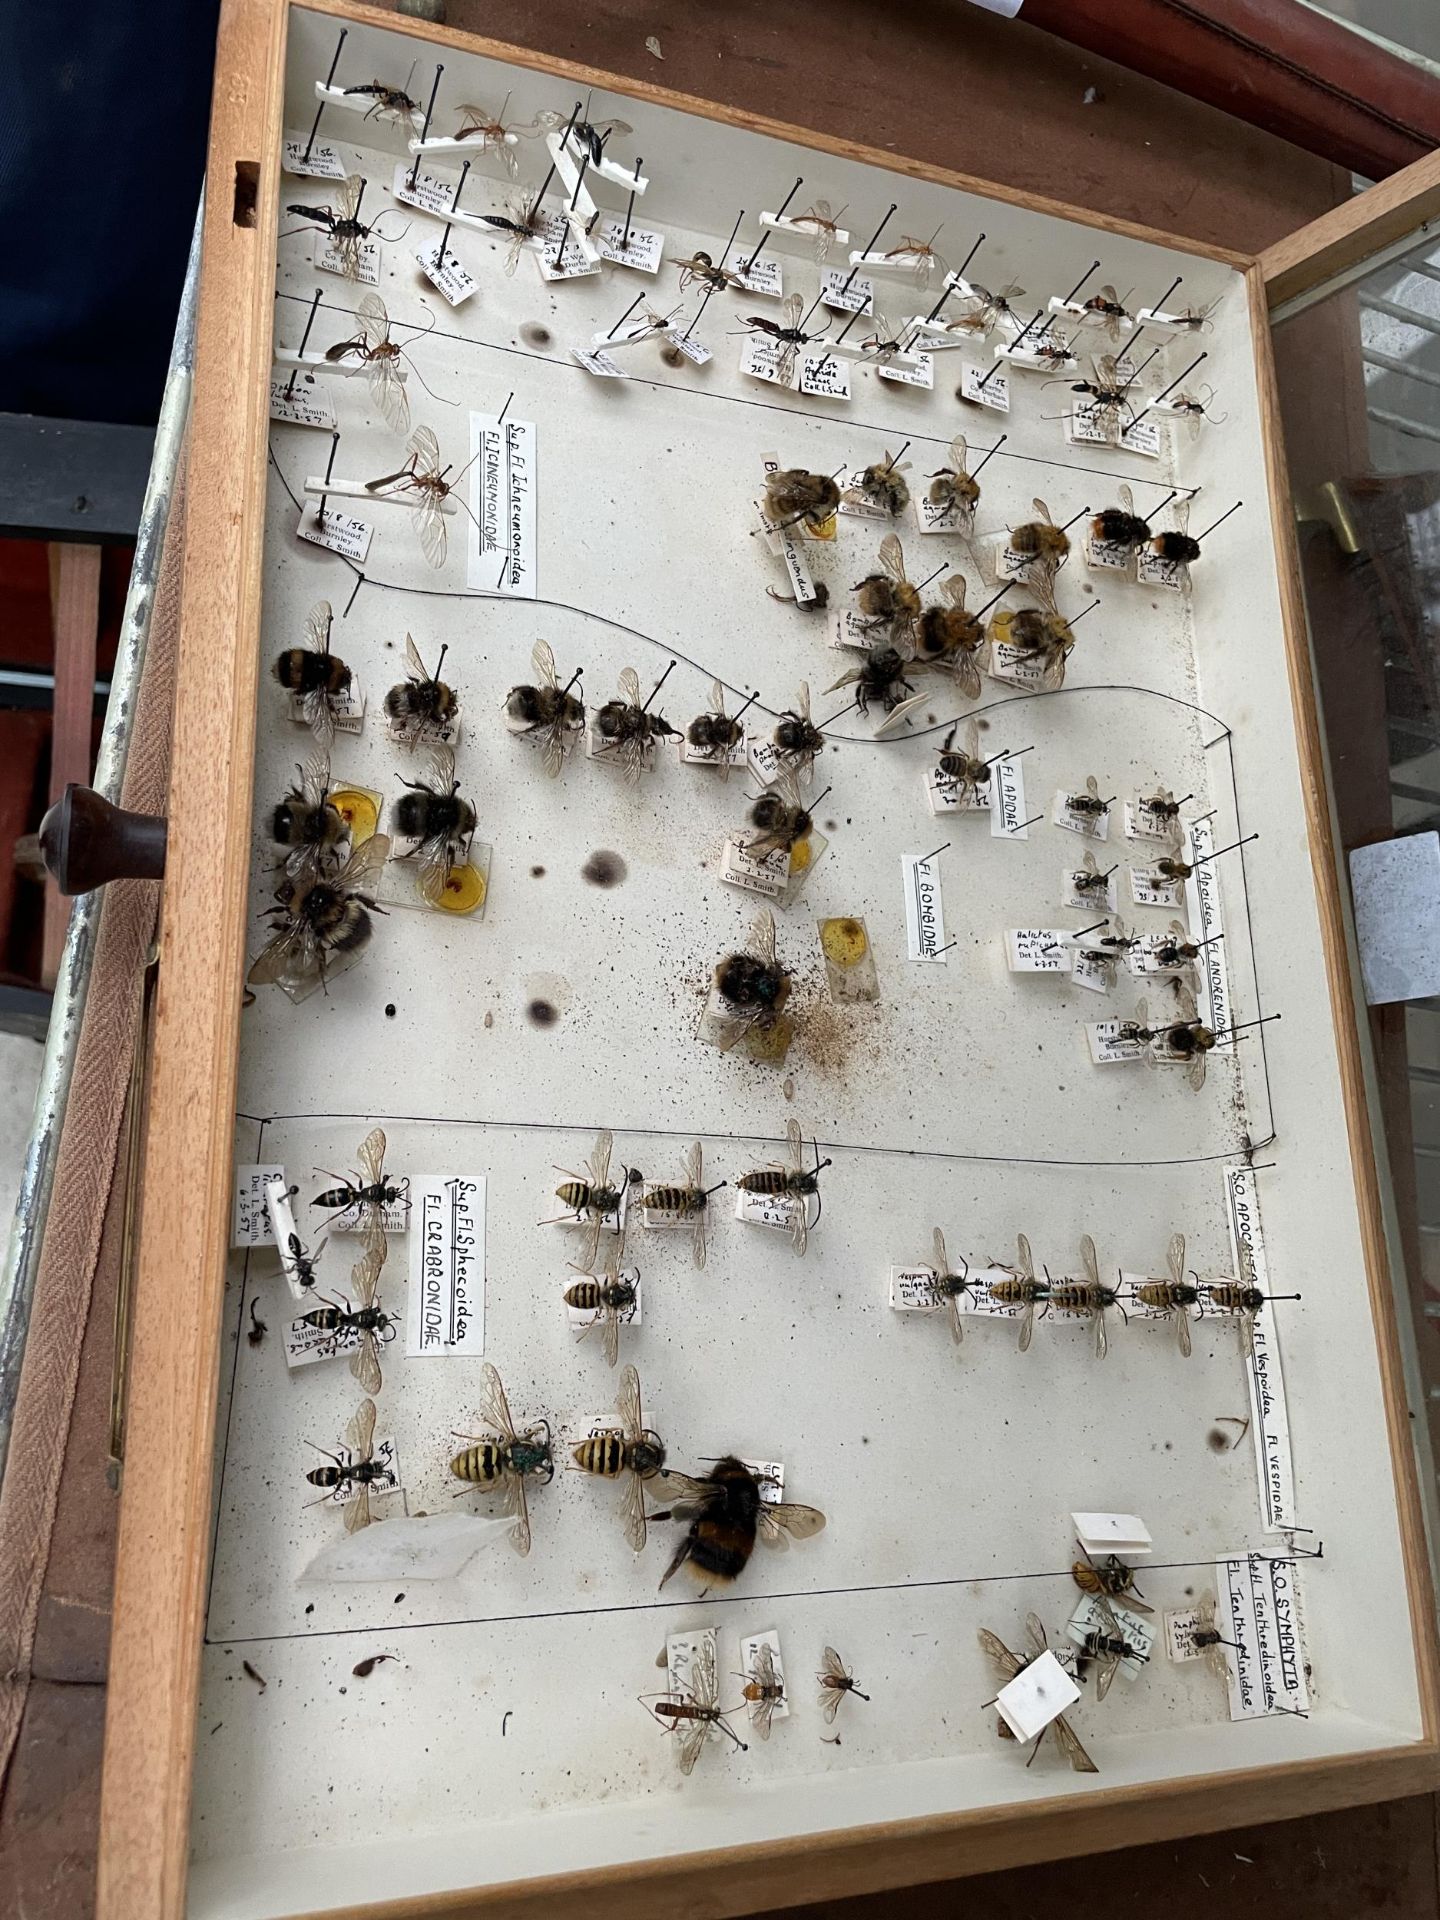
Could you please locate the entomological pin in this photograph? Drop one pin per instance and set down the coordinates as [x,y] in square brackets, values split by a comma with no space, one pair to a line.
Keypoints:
[823,225]
[883,342]
[887,598]
[590,136]
[501,1460]
[949,637]
[836,1683]
[1175,1297]
[961,768]
[1012,1665]
[1185,1038]
[688,1200]
[590,1200]
[1108,395]
[386,102]
[1105,1648]
[1175,949]
[792,1179]
[1195,408]
[431,813]
[493,135]
[691,1715]
[882,484]
[627,726]
[1206,1636]
[1233,1297]
[632,1450]
[794,493]
[305,825]
[1041,634]
[923,255]
[764,1690]
[367,1192]
[522,220]
[796,738]
[316,920]
[1020,1288]
[752,985]
[726,1515]
[609,1300]
[701,267]
[1164,809]
[380,355]
[879,679]
[366,1318]
[348,233]
[1120,526]
[951,1287]
[1087,879]
[779,818]
[787,332]
[1109,310]
[546,710]
[1110,1578]
[428,488]
[953,488]
[319,679]
[421,706]
[981,311]
[1086,800]
[1090,1298]
[357,1471]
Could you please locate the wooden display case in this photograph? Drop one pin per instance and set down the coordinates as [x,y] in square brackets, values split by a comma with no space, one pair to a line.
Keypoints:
[501,1762]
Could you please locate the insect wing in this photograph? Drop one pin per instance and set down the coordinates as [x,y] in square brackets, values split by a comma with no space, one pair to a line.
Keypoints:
[598,1165]
[610,1334]
[1069,1744]
[1027,1326]
[423,450]
[692,1738]
[291,954]
[357,1511]
[430,526]
[374,320]
[630,686]
[348,196]
[892,558]
[779,1523]
[1023,1254]
[317,627]
[494,1407]
[762,935]
[365,1363]
[791,313]
[632,1512]
[388,390]
[684,1496]
[365,1277]
[371,1158]
[512,1501]
[542,663]
[360,1434]
[990,1643]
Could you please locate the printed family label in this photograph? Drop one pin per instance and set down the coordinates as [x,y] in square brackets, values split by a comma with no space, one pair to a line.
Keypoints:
[301,401]
[985,387]
[919,372]
[924,908]
[824,374]
[1202,904]
[328,259]
[845,292]
[1008,819]
[1269,1413]
[250,1222]
[1259,1613]
[341,532]
[446,1301]
[641,248]
[1037,950]
[504,477]
[599,363]
[323,162]
[443,270]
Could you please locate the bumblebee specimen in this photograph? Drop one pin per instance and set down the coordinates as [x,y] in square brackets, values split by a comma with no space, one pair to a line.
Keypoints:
[793,494]
[778,817]
[763,1691]
[961,768]
[1086,801]
[1177,546]
[1187,1038]
[887,598]
[787,332]
[690,1200]
[701,267]
[952,487]
[716,731]
[836,1682]
[882,484]
[522,220]
[1231,1296]
[429,487]
[1120,526]
[380,356]
[548,711]
[796,737]
[476,123]
[357,1472]
[366,1319]
[791,1178]
[300,1263]
[421,707]
[879,679]
[318,678]
[305,824]
[1020,1288]
[1111,1579]
[981,311]
[633,1450]
[1091,1297]
[626,727]
[1039,542]
[950,638]
[608,1301]
[950,1288]
[367,1192]
[1106,1649]
[726,1514]
[342,222]
[1173,1297]
[1011,1665]
[753,986]
[693,1713]
[317,918]
[431,813]
[819,221]
[501,1459]
[1109,309]
[590,1199]
[387,102]
[1041,635]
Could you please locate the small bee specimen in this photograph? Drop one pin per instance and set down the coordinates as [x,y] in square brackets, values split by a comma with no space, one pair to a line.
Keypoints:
[318,678]
[797,739]
[348,233]
[629,729]
[546,710]
[1110,1578]
[494,136]
[1090,1298]
[380,355]
[1086,801]
[949,638]
[632,1449]
[961,768]
[366,1193]
[1020,1288]
[1109,310]
[753,987]
[1088,880]
[1042,545]
[716,731]
[953,488]
[318,919]
[923,256]
[791,1178]
[950,1287]
[1011,1665]
[836,1682]
[879,680]
[689,1200]
[691,1715]
[387,103]
[425,482]
[700,267]
[590,1200]
[1042,635]
[1164,809]
[421,707]
[305,825]
[1120,526]
[357,1471]
[793,494]
[501,1459]
[1177,546]
[431,813]
[882,484]
[763,1691]
[727,1514]
[1108,397]
[609,1300]
[523,221]
[1173,1297]
[1105,1648]
[366,1319]
[787,332]
[1175,950]
[982,311]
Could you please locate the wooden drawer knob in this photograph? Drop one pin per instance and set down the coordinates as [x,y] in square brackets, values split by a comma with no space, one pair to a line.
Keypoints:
[86,842]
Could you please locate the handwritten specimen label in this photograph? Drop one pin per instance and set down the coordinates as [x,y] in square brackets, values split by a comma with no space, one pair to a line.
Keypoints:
[857,297]
[763,275]
[503,481]
[985,387]
[599,363]
[1259,1613]
[446,1302]
[917,373]
[1202,904]
[642,249]
[429,192]
[924,908]
[341,532]
[443,270]
[1268,1411]
[251,1219]
[323,163]
[328,259]
[301,401]
[827,375]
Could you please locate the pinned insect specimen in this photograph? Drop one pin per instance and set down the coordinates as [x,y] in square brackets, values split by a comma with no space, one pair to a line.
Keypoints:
[629,729]
[1108,402]
[367,1192]
[348,232]
[590,136]
[357,1471]
[793,493]
[590,1200]
[300,1263]
[380,356]
[546,710]
[305,825]
[1090,1298]
[764,1690]
[1012,1665]
[688,1200]
[949,1287]
[779,818]
[787,333]
[609,1300]
[1164,809]
[1120,526]
[1175,951]
[495,136]
[1194,320]
[633,1450]
[1196,408]
[961,768]
[953,488]
[1186,1038]
[366,1319]
[950,638]
[888,598]
[791,1179]
[501,1460]
[752,986]
[421,707]
[1039,635]
[1086,802]
[1020,1288]
[701,267]
[882,484]
[1109,310]
[796,738]
[882,343]
[836,1682]
[922,256]
[727,1514]
[431,813]
[717,732]
[387,102]
[1245,1302]
[880,678]
[318,921]
[1106,1648]
[822,225]
[523,221]
[1206,1636]
[693,1713]
[1110,1578]
[1174,1297]
[1042,545]
[982,311]
[319,679]
[1087,879]
[424,480]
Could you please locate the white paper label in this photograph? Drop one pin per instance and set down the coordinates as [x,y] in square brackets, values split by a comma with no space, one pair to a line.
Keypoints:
[771,1475]
[324,162]
[1202,899]
[1122,1533]
[1150,888]
[251,1218]
[924,908]
[761,358]
[948,795]
[599,363]
[305,1346]
[502,499]
[1152,571]
[347,709]
[1093,970]
[642,250]
[446,1300]
[1015,665]
[857,297]
[1108,556]
[1037,1696]
[1110,1046]
[1258,1611]
[919,374]
[986,386]
[443,270]
[328,260]
[1143,437]
[340,532]
[824,374]
[1143,823]
[1073,894]
[301,401]
[1181,1626]
[558,249]
[763,276]
[1008,819]
[1095,1614]
[912,1290]
[1037,950]
[769,875]
[1064,813]
[694,350]
[851,629]
[1089,425]
[776,1210]
[1269,1414]
[694,756]
[428,191]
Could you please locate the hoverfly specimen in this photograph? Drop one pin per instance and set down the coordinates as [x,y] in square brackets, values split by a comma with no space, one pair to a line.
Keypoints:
[494,136]
[386,102]
[1020,1288]
[727,1513]
[793,493]
[982,311]
[796,738]
[787,333]
[380,356]
[305,825]
[633,1450]
[431,813]
[317,920]
[500,1459]
[949,1287]
[1012,1665]
[763,1691]
[791,1178]
[423,478]
[693,1713]
[1120,526]
[887,598]
[357,1471]
[589,1200]
[547,711]
[953,488]
[1174,1297]
[688,1200]
[367,1192]
[836,1682]
[1108,310]
[608,1300]
[1089,1298]
[961,768]
[319,679]
[1110,1578]
[523,221]
[629,730]
[752,986]
[921,255]
[882,484]
[366,1319]
[348,232]
[421,707]
[879,679]
[1108,397]
[1106,1649]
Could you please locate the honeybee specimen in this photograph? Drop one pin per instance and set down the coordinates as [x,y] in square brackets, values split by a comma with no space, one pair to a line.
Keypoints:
[882,484]
[320,679]
[792,1178]
[702,268]
[1109,396]
[1020,1288]
[1110,1578]
[547,709]
[796,737]
[953,487]
[951,1287]
[494,136]
[693,1714]
[793,493]
[1120,526]
[962,768]
[302,1263]
[1087,802]
[625,725]
[423,478]
[366,1318]
[342,222]
[835,1681]
[1109,309]
[753,986]
[1231,1296]
[501,1459]
[819,221]
[1207,1636]
[634,1450]
[690,1200]
[590,1199]
[1042,634]
[786,331]
[315,918]
[387,103]
[887,598]
[522,220]
[380,356]
[1090,1296]
[922,252]
[421,705]
[431,812]
[726,1515]
[1011,1665]
[608,1300]
[358,1472]
[763,1690]
[367,1192]
[1105,1647]
[305,823]
[1177,546]
[1173,1297]
[982,310]
[1040,542]
[880,677]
